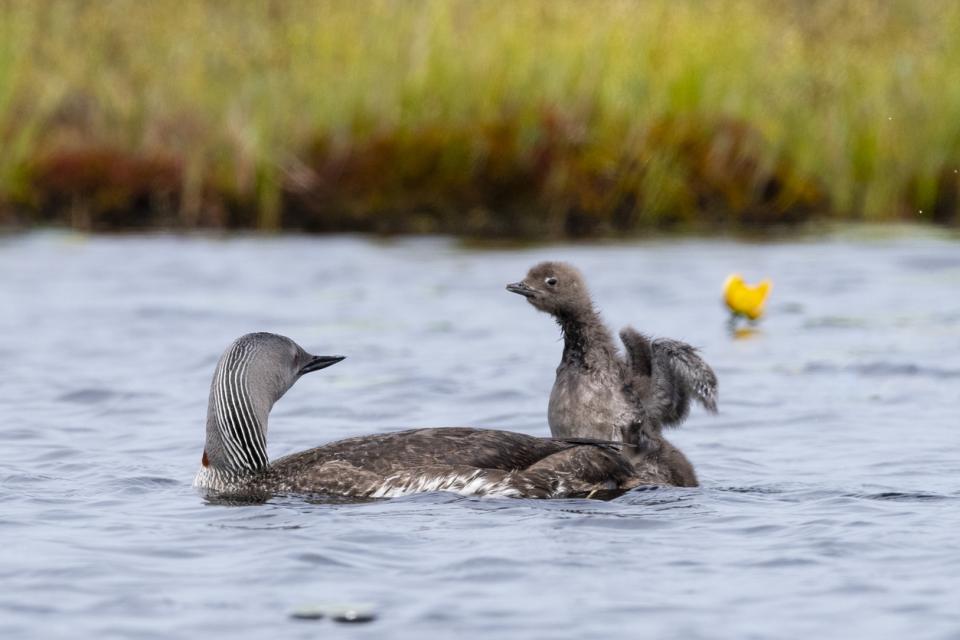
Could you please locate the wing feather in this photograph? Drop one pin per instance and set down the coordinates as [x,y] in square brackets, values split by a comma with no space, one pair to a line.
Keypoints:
[666,375]
[688,369]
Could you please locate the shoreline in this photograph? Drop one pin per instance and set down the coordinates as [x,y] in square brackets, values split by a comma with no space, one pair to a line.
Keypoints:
[530,120]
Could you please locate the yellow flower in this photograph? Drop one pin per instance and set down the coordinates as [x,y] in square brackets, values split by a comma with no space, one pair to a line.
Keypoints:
[744,299]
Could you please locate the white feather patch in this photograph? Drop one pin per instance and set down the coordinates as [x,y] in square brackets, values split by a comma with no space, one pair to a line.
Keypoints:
[469,484]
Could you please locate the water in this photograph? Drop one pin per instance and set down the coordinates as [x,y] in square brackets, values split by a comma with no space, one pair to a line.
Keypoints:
[829,507]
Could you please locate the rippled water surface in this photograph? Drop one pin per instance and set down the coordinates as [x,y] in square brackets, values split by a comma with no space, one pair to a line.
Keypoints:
[830,504]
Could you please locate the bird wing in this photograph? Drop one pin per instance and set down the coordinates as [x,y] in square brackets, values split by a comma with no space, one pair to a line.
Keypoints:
[688,369]
[639,351]
[674,373]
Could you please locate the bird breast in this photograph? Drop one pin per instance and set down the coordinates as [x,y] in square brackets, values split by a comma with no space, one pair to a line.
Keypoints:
[588,405]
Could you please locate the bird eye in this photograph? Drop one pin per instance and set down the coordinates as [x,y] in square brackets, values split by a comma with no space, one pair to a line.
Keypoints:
[551,281]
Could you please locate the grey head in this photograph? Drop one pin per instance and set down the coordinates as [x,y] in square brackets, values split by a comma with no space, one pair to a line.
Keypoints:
[556,288]
[252,374]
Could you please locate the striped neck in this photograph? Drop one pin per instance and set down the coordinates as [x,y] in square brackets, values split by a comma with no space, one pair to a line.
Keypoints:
[236,418]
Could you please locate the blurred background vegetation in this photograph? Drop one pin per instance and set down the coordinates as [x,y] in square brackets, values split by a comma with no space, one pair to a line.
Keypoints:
[515,119]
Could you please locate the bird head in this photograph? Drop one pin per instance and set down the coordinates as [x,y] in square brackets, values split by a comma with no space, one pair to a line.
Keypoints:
[556,288]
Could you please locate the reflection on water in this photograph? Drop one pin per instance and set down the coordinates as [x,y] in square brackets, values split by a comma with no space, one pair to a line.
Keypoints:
[829,498]
[745,333]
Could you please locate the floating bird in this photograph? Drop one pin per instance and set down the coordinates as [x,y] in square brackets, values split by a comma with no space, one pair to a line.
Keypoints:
[258,368]
[745,300]
[600,394]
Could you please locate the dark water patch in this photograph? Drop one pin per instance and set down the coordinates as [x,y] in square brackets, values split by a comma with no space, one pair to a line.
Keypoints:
[151,482]
[20,434]
[836,322]
[32,609]
[14,479]
[88,396]
[760,530]
[67,515]
[11,523]
[752,490]
[97,396]
[897,496]
[666,500]
[882,369]
[322,560]
[611,521]
[779,563]
[141,486]
[931,263]
[174,313]
[57,453]
[162,552]
[792,308]
[257,527]
[745,402]
[481,567]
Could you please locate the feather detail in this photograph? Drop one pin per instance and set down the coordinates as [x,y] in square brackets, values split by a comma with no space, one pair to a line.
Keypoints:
[664,375]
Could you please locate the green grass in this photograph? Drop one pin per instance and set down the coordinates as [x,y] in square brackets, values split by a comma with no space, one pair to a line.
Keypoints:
[524,118]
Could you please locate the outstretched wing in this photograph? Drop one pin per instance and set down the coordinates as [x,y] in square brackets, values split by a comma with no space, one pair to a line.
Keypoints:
[676,373]
[687,369]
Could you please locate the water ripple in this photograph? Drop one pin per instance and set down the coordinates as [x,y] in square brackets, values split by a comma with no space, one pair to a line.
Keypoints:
[829,498]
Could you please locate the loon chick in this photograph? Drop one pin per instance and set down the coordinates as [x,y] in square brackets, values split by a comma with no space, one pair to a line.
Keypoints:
[258,368]
[599,394]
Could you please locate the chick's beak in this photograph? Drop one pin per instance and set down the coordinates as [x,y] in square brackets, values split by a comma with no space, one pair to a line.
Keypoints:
[320,362]
[522,288]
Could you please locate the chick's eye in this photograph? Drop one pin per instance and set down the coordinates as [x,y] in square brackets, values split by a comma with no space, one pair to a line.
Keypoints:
[551,281]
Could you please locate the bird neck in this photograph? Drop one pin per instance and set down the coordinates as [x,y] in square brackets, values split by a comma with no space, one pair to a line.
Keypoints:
[585,338]
[236,423]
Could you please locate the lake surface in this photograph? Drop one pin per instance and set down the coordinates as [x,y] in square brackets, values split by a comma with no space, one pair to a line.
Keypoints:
[830,498]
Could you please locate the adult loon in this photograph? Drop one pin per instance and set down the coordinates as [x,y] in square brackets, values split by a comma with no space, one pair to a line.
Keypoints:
[598,393]
[258,368]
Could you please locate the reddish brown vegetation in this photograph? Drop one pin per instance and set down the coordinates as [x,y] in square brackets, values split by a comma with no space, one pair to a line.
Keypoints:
[495,179]
[104,188]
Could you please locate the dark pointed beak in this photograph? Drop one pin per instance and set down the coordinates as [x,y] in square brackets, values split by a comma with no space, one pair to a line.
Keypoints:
[522,288]
[320,362]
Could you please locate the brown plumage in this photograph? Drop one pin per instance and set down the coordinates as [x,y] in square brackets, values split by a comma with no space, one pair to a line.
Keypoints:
[600,394]
[257,369]
[473,461]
